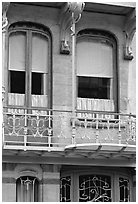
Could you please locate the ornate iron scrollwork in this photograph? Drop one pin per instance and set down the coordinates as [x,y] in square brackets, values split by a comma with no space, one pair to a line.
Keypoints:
[94,188]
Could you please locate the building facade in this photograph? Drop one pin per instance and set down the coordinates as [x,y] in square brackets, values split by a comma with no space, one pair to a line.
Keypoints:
[69,102]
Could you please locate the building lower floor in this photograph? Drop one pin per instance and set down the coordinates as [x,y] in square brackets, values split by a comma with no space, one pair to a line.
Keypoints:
[36,182]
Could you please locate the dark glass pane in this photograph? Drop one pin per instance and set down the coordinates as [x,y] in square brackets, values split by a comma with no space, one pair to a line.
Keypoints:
[37,83]
[17,82]
[93,87]
[124,190]
[65,185]
[94,188]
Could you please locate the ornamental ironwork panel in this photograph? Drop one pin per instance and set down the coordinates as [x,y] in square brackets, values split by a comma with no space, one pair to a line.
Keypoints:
[124,190]
[94,188]
[65,189]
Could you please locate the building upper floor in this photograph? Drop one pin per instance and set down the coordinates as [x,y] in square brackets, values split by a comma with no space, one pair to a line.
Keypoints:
[65,85]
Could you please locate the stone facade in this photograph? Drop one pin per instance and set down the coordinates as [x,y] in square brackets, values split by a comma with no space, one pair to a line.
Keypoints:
[48,167]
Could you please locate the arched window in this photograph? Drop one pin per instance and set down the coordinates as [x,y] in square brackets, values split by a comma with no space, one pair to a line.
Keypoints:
[29,75]
[27,189]
[96,71]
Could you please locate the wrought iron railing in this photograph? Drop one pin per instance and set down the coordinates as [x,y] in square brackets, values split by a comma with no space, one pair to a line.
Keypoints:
[51,129]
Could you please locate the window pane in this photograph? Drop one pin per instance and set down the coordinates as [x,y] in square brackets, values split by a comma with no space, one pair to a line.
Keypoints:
[97,59]
[17,51]
[39,53]
[124,190]
[17,82]
[93,87]
[37,83]
[65,189]
[94,188]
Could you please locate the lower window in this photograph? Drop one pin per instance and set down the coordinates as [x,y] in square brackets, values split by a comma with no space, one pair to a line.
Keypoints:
[27,189]
[77,187]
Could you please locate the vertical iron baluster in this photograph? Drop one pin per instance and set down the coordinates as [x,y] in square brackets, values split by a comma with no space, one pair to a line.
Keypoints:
[119,130]
[3,126]
[97,132]
[108,127]
[14,121]
[73,131]
[130,127]
[49,128]
[37,124]
[25,129]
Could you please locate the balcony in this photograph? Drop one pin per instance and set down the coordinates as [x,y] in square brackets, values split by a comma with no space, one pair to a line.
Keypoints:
[57,131]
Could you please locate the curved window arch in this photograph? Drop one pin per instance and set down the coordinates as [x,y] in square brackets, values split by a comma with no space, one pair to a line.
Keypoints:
[27,189]
[96,53]
[29,65]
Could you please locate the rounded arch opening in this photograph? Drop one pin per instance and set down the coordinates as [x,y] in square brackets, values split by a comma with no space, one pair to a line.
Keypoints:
[96,53]
[30,51]
[30,25]
[27,189]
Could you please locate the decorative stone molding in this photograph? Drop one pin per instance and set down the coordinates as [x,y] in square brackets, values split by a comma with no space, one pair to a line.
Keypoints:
[129,31]
[70,13]
[5,7]
[31,170]
[65,24]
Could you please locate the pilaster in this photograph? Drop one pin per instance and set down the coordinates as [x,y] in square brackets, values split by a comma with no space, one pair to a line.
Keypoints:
[51,183]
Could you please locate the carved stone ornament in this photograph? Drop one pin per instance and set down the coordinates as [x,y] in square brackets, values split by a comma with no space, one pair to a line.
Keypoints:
[65,23]
[5,6]
[129,31]
[70,13]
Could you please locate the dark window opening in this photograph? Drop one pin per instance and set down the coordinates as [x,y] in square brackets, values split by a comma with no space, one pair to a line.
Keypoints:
[37,83]
[27,189]
[17,82]
[124,190]
[65,189]
[93,87]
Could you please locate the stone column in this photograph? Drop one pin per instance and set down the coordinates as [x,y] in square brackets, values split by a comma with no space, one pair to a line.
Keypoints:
[8,190]
[8,183]
[5,7]
[51,183]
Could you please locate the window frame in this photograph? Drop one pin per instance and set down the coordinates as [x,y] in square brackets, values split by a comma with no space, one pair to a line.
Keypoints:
[29,28]
[109,38]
